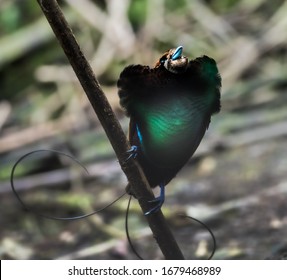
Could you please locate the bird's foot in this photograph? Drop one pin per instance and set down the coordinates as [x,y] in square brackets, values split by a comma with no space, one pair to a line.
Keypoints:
[156,208]
[158,200]
[132,152]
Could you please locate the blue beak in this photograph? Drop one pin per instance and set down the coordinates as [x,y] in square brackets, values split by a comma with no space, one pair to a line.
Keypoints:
[177,53]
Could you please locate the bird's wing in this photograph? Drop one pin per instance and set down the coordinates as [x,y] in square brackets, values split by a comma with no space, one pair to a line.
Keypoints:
[138,81]
[204,69]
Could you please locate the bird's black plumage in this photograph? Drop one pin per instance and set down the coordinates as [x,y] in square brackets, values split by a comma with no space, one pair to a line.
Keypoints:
[170,108]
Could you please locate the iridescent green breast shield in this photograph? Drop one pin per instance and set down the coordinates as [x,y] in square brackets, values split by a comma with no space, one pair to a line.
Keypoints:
[170,130]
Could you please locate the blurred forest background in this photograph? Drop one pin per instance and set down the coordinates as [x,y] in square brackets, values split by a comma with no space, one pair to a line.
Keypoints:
[237,180]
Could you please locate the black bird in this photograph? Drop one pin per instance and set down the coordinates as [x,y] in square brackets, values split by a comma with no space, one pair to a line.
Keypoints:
[170,108]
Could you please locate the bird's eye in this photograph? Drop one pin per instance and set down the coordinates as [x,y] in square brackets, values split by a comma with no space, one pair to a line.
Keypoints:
[162,59]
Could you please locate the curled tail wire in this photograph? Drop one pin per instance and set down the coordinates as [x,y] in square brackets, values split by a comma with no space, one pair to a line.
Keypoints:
[185,216]
[127,231]
[208,229]
[26,208]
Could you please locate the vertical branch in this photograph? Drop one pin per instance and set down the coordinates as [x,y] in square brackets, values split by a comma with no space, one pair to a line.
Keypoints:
[111,126]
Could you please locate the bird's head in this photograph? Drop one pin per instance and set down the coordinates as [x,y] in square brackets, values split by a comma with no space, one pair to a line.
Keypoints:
[173,61]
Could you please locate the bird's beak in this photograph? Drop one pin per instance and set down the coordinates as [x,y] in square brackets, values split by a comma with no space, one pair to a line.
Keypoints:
[177,53]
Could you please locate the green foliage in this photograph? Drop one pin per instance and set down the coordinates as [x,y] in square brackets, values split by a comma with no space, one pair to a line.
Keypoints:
[222,6]
[137,13]
[9,17]
[175,6]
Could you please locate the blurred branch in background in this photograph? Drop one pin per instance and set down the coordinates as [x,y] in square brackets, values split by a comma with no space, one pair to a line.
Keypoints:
[244,151]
